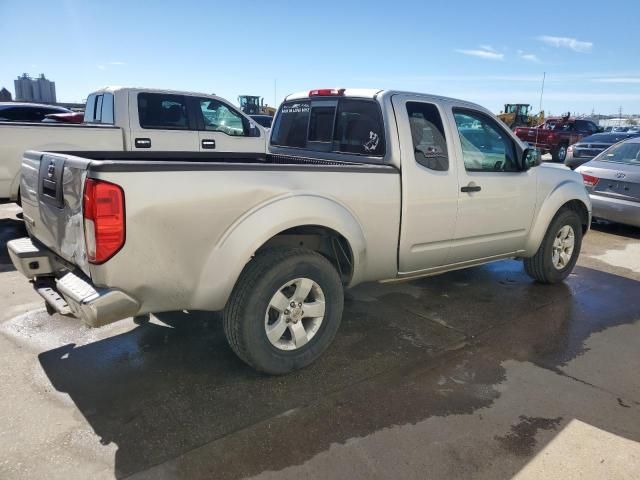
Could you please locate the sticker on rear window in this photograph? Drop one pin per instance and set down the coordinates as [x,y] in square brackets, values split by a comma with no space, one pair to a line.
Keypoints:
[372,144]
[296,108]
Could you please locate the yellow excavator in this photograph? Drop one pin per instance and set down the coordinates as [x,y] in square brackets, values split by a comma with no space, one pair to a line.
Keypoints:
[519,115]
[254,105]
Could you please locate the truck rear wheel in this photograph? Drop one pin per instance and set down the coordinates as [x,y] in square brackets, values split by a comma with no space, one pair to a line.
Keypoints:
[559,251]
[285,310]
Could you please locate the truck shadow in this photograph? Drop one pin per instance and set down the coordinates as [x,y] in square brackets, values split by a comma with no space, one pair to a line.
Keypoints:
[173,387]
[10,228]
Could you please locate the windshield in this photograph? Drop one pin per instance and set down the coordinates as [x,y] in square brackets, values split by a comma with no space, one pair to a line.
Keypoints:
[628,152]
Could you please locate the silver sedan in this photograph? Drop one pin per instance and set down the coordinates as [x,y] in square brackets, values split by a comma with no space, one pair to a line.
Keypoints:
[613,182]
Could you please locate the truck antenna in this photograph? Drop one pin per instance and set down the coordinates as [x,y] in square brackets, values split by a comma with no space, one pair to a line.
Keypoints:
[544,76]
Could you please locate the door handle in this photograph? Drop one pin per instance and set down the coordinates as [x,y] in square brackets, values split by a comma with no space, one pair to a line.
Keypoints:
[142,143]
[471,188]
[208,144]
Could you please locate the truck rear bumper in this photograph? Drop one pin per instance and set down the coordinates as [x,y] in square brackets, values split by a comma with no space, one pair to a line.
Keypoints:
[66,292]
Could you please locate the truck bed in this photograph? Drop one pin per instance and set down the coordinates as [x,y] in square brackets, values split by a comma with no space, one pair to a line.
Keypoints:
[193,221]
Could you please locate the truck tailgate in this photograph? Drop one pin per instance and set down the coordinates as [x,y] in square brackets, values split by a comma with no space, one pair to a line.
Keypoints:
[51,188]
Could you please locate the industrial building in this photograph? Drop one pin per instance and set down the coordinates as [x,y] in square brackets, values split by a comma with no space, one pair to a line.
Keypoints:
[35,89]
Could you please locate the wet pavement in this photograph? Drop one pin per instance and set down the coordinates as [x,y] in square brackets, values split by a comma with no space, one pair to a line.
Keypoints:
[479,373]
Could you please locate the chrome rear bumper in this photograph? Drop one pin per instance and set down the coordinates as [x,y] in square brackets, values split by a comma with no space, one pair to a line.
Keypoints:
[67,292]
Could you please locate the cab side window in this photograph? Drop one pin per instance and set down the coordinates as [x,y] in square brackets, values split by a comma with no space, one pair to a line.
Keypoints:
[162,111]
[218,117]
[486,147]
[427,133]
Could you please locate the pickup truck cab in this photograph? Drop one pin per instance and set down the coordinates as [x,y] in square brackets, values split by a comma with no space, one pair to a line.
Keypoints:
[558,137]
[358,185]
[119,119]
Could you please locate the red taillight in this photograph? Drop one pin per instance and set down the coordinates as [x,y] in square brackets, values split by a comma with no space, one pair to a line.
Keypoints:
[326,92]
[103,211]
[589,180]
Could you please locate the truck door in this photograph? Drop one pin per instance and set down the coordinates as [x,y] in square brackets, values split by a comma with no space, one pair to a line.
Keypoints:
[429,185]
[496,199]
[222,128]
[161,122]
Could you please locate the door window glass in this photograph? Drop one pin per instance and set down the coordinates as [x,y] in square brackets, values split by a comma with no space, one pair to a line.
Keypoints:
[427,133]
[162,111]
[485,146]
[219,117]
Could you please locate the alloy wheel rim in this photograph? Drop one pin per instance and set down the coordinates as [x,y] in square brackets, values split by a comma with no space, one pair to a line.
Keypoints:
[563,245]
[294,314]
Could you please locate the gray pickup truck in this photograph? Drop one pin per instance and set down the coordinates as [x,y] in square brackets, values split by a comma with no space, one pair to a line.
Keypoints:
[357,186]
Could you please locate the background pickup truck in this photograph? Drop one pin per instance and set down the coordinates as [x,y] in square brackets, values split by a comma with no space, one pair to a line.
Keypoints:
[557,139]
[130,119]
[358,185]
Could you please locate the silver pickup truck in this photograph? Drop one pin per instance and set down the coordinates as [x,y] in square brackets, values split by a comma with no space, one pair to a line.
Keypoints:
[357,186]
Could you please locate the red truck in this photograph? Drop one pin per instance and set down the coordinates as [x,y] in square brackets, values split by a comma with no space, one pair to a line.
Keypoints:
[555,135]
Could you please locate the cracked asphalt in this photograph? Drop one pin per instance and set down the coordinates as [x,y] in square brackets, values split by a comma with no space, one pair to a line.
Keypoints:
[479,373]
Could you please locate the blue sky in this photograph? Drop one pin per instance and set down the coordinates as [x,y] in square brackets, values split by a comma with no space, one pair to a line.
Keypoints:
[490,52]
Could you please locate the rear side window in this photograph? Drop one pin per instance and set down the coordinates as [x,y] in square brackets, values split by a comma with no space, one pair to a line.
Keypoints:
[338,125]
[162,111]
[427,133]
[99,108]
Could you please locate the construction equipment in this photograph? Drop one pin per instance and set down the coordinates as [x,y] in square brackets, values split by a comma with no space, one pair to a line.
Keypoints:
[254,105]
[518,115]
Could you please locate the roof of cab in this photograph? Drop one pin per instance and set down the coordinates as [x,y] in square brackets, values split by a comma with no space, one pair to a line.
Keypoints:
[377,93]
[116,88]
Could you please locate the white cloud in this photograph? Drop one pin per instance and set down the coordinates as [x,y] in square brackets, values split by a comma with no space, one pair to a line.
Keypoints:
[567,42]
[528,56]
[485,51]
[617,80]
[101,67]
[117,63]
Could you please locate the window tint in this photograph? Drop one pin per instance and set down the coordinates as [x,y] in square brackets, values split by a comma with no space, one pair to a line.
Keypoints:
[321,123]
[290,129]
[485,146]
[565,127]
[359,128]
[427,132]
[356,126]
[163,111]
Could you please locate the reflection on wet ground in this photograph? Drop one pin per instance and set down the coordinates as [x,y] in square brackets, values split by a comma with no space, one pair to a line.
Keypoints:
[433,347]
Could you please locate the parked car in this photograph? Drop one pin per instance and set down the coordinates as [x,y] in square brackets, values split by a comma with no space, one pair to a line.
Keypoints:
[71,117]
[264,120]
[620,129]
[613,182]
[120,119]
[359,185]
[557,139]
[591,146]
[27,112]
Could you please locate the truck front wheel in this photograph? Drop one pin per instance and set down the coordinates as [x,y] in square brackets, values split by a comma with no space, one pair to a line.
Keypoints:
[559,251]
[285,310]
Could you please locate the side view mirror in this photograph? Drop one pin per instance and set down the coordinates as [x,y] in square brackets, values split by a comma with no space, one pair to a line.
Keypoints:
[532,157]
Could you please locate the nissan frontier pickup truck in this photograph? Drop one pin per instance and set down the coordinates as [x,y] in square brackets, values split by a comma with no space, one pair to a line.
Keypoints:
[133,120]
[357,186]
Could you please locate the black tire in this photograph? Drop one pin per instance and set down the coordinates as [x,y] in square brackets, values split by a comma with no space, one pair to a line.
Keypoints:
[559,154]
[244,314]
[540,267]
